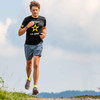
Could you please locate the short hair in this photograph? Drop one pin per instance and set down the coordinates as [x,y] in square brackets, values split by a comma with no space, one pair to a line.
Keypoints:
[34,3]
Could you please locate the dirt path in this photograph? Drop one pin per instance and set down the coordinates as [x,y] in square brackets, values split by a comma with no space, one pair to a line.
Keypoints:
[62,99]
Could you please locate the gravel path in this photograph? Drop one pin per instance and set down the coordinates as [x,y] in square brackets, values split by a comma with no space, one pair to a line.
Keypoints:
[63,99]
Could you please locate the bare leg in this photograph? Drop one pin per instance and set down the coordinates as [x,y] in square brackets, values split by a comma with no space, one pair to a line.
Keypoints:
[29,67]
[28,71]
[36,69]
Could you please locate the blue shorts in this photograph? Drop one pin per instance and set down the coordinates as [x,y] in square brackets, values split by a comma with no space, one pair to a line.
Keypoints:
[33,50]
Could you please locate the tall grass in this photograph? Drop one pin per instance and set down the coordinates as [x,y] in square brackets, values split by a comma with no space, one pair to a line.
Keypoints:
[5,95]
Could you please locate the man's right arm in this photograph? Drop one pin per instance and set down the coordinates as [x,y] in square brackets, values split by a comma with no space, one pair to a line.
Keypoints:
[23,30]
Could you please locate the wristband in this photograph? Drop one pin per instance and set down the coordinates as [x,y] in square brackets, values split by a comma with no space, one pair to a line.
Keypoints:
[26,27]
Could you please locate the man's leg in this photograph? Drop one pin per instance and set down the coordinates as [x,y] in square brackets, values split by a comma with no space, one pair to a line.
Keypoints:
[29,67]
[28,71]
[36,74]
[36,69]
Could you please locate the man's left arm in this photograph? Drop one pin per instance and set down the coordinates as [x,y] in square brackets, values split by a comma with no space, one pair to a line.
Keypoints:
[44,33]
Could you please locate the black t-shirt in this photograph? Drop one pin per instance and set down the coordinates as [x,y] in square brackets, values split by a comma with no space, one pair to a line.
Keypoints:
[32,33]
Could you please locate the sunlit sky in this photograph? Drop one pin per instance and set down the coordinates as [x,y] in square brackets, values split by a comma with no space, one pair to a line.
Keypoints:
[71,53]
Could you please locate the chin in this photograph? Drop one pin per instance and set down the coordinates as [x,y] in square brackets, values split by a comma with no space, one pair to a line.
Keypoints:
[35,15]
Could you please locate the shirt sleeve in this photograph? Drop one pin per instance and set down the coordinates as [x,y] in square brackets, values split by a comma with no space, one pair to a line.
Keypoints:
[24,23]
[44,22]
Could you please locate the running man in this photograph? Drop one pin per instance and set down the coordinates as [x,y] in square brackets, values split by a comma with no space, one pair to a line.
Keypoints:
[35,28]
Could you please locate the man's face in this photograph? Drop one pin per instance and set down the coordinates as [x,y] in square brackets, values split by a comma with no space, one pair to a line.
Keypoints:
[35,11]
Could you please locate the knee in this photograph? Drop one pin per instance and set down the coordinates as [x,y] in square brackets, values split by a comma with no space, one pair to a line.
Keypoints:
[36,65]
[36,62]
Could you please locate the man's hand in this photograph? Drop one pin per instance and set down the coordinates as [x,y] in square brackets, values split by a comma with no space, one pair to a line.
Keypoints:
[31,23]
[42,36]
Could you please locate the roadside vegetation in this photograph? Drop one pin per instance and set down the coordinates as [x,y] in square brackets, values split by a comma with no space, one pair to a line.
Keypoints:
[5,95]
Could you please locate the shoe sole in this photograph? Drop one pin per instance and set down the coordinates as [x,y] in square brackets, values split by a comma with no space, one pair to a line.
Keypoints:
[35,92]
[27,88]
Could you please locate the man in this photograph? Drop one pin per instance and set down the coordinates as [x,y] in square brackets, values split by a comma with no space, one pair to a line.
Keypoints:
[35,28]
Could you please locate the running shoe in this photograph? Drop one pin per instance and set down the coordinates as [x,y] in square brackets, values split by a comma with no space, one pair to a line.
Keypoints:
[35,91]
[27,85]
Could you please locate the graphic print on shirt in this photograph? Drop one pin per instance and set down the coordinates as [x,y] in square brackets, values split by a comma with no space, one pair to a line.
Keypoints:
[22,26]
[35,28]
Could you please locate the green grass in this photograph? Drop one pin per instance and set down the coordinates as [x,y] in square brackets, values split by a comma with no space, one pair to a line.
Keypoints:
[5,95]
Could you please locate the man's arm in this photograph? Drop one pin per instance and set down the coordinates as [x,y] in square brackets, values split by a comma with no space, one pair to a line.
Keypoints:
[44,33]
[23,30]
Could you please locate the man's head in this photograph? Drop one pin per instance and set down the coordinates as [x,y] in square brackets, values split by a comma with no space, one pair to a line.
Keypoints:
[34,8]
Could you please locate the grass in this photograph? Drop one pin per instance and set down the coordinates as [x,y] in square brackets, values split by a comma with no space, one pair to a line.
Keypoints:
[5,95]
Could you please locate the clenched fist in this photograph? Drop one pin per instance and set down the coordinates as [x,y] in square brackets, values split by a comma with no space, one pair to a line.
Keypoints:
[42,35]
[31,23]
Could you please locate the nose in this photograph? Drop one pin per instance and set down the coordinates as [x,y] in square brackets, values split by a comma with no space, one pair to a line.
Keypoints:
[35,10]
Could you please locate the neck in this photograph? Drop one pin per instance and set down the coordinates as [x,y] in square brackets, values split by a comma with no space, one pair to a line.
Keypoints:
[34,16]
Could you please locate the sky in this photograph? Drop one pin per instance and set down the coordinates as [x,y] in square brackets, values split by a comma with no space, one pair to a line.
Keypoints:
[71,53]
